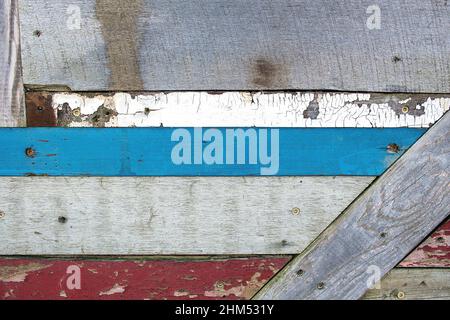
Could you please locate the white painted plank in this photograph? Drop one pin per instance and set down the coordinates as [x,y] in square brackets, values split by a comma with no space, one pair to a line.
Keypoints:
[238,45]
[244,109]
[169,216]
[12,107]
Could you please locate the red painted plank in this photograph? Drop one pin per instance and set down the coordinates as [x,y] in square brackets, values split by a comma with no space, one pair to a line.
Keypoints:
[163,279]
[434,252]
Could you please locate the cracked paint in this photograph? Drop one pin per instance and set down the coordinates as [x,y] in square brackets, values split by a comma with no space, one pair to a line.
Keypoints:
[19,273]
[248,109]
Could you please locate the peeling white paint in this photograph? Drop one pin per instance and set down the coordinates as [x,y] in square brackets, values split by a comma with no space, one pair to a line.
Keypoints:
[117,289]
[244,109]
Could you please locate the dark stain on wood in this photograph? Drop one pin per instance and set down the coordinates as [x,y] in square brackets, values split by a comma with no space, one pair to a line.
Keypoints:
[40,112]
[118,20]
[268,75]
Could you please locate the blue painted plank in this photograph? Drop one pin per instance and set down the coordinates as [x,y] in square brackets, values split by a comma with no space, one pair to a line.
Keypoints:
[148,151]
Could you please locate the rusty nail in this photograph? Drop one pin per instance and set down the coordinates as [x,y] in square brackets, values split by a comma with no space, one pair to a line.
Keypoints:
[30,152]
[321,286]
[393,148]
[295,211]
[383,235]
[37,33]
[405,109]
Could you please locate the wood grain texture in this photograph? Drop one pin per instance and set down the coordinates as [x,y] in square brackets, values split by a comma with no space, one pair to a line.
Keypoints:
[378,230]
[190,152]
[413,284]
[183,278]
[434,252]
[237,45]
[136,279]
[148,216]
[12,107]
[235,109]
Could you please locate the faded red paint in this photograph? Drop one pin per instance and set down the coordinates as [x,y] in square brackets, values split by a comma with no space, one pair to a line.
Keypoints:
[163,279]
[434,252]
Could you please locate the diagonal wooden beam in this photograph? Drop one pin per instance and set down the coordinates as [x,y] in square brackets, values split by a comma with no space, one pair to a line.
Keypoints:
[12,107]
[378,230]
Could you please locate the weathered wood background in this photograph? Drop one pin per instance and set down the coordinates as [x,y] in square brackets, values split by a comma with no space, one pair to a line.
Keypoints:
[223,59]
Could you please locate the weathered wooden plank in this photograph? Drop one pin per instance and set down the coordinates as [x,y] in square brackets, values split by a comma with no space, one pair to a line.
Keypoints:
[137,279]
[184,278]
[147,216]
[201,152]
[234,109]
[12,107]
[378,230]
[392,46]
[413,284]
[434,252]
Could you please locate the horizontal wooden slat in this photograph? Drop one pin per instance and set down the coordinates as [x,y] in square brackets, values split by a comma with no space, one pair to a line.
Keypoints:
[113,216]
[234,109]
[139,279]
[184,278]
[148,151]
[434,252]
[413,284]
[237,45]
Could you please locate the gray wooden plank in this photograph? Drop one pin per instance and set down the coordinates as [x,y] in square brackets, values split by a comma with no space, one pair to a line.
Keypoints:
[238,45]
[378,230]
[169,216]
[12,109]
[413,284]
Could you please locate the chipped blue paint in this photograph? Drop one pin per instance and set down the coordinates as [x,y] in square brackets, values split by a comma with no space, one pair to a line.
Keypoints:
[147,152]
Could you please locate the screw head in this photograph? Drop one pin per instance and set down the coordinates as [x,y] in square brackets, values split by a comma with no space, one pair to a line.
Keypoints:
[76,112]
[401,295]
[220,285]
[295,211]
[321,286]
[405,109]
[2,214]
[30,152]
